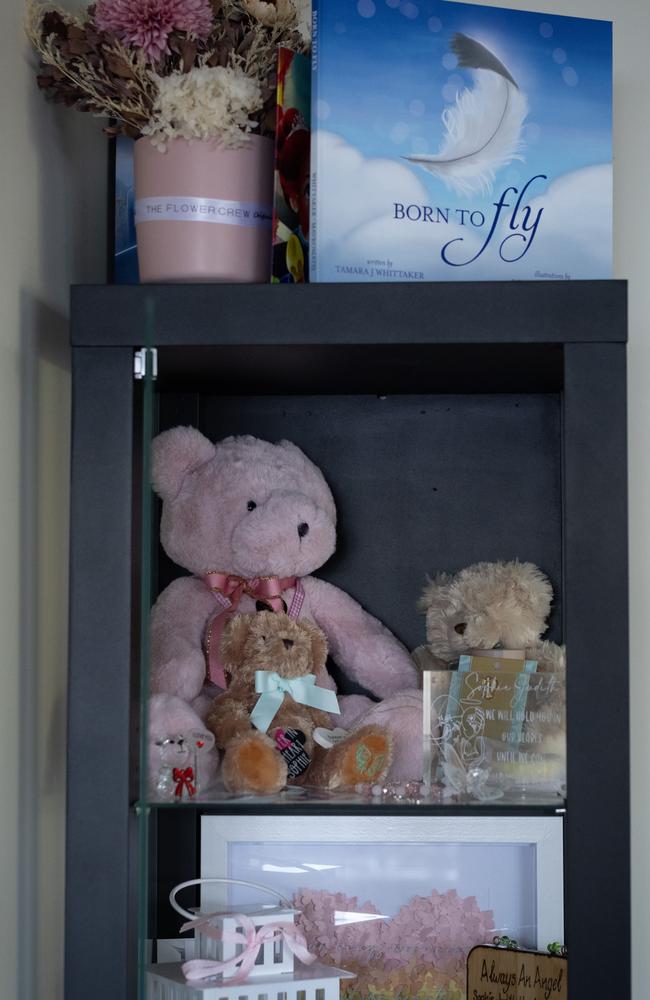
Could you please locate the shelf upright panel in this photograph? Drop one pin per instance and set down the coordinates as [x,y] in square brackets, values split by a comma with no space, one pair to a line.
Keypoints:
[99,847]
[596,634]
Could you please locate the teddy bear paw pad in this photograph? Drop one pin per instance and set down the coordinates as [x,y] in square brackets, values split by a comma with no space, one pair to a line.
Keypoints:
[366,759]
[254,766]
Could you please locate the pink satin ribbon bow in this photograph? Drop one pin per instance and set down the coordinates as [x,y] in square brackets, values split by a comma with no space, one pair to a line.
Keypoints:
[228,591]
[239,966]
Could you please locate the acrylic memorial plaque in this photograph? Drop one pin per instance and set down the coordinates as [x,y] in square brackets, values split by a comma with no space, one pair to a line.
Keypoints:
[459,142]
[490,733]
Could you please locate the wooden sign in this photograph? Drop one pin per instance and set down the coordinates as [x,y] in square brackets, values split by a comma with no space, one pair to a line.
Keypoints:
[504,974]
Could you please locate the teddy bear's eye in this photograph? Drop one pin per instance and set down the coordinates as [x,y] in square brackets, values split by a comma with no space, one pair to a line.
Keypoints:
[460,628]
[251,505]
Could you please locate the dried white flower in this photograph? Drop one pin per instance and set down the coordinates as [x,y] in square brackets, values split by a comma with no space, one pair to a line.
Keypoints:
[286,15]
[206,103]
[302,10]
[270,14]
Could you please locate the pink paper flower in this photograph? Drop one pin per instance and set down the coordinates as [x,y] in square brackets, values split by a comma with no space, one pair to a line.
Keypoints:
[419,954]
[147,24]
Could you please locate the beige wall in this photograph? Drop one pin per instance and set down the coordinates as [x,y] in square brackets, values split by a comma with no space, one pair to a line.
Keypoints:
[52,191]
[52,199]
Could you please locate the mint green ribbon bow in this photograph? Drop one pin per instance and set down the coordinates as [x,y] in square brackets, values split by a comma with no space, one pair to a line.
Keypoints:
[272,689]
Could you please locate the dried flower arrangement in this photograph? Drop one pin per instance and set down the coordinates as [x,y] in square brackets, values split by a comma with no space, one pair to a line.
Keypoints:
[419,954]
[195,69]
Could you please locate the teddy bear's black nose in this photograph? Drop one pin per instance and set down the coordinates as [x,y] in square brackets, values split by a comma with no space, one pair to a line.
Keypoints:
[303,529]
[288,643]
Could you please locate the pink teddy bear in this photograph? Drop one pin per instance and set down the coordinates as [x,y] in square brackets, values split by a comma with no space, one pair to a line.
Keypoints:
[252,521]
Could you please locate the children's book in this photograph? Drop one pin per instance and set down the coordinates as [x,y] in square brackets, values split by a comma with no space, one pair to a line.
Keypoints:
[292,169]
[453,141]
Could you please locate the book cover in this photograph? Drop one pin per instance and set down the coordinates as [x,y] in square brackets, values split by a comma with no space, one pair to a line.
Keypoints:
[459,142]
[292,169]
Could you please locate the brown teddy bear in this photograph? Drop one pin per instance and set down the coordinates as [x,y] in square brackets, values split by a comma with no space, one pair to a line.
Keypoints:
[265,721]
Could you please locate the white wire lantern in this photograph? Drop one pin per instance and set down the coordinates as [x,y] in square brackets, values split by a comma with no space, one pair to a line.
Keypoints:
[251,953]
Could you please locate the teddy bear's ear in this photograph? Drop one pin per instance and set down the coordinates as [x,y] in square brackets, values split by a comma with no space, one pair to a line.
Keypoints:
[174,454]
[233,639]
[533,588]
[291,448]
[318,646]
[434,591]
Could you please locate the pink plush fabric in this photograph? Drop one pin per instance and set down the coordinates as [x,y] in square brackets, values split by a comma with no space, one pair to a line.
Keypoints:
[402,714]
[177,622]
[364,648]
[252,508]
[208,524]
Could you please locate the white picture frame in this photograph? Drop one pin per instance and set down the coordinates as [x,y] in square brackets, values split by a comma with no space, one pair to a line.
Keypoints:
[235,846]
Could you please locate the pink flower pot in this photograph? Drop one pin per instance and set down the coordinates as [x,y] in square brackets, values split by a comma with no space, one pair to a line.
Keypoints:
[204,212]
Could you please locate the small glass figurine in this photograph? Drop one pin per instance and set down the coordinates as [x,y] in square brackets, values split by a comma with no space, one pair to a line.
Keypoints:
[179,772]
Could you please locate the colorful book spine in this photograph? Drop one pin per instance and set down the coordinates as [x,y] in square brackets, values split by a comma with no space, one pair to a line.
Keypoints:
[291,204]
[313,187]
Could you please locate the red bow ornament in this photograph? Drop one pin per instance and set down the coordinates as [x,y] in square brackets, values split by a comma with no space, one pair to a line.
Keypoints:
[184,778]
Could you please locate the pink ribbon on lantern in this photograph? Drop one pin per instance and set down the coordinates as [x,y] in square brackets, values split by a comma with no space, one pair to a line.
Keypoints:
[228,590]
[237,969]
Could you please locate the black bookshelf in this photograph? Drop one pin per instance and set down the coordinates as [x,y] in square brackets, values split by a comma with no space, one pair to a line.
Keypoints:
[456,382]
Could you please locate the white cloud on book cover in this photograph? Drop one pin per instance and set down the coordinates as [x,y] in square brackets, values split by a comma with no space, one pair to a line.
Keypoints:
[583,195]
[357,197]
[357,190]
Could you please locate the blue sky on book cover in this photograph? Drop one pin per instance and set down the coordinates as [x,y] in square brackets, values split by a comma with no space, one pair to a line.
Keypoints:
[459,142]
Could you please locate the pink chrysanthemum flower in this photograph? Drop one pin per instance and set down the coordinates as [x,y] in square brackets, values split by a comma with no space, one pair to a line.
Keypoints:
[147,24]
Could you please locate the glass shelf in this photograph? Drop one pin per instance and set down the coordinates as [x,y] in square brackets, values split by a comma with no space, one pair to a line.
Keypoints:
[309,799]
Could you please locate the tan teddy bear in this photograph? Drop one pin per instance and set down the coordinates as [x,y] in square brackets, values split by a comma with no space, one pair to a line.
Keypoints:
[490,605]
[266,719]
[495,606]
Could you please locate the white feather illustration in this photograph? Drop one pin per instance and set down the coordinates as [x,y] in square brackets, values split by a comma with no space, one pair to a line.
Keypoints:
[483,128]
